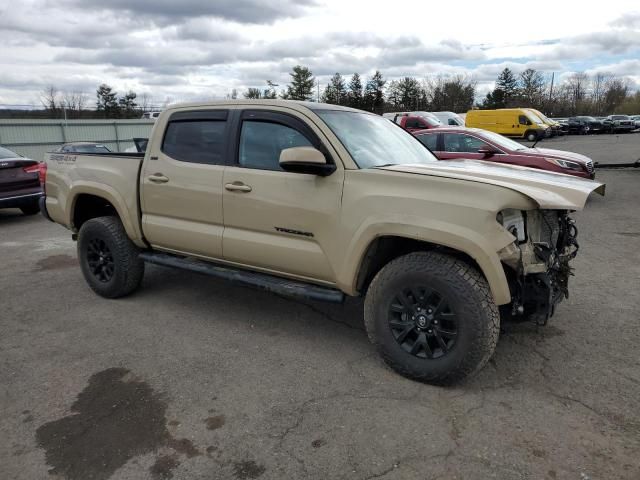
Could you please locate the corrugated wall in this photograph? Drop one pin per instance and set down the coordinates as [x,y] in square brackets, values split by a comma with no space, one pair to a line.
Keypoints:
[33,138]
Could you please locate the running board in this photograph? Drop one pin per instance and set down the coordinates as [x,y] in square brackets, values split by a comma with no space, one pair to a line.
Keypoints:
[263,281]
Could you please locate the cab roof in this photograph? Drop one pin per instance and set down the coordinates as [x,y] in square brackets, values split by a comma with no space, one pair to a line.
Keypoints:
[293,104]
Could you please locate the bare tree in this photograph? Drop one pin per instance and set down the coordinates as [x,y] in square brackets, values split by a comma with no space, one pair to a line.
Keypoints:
[598,91]
[616,91]
[576,86]
[144,102]
[50,100]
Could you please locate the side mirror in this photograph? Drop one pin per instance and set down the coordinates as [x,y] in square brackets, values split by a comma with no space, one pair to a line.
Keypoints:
[487,152]
[305,160]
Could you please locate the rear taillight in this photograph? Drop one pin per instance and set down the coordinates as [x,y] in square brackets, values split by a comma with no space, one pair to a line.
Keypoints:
[32,168]
[42,174]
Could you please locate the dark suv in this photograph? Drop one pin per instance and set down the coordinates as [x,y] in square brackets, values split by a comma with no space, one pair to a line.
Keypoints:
[583,125]
[619,123]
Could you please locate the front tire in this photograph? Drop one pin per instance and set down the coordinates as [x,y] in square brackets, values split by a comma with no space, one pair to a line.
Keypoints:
[432,317]
[532,136]
[108,259]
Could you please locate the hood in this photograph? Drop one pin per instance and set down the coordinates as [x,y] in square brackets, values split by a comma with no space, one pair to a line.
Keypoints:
[549,190]
[549,152]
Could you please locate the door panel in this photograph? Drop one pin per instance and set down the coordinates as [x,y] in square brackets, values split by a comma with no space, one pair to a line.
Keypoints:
[181,184]
[283,221]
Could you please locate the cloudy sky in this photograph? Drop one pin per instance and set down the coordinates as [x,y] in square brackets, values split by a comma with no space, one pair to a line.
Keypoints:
[200,49]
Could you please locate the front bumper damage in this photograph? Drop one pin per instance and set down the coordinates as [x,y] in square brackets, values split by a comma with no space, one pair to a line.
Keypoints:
[538,262]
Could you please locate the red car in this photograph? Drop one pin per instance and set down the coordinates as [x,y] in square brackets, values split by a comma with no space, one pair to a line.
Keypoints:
[449,143]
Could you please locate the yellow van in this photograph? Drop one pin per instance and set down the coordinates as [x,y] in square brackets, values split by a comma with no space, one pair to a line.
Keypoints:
[512,122]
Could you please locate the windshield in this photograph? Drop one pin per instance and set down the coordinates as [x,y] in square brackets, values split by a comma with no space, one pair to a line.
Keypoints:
[503,142]
[6,153]
[373,141]
[533,117]
[542,116]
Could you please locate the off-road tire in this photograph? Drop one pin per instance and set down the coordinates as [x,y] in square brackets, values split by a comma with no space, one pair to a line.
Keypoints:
[128,268]
[467,292]
[30,209]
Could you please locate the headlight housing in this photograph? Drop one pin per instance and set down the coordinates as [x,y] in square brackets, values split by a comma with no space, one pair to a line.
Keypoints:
[568,164]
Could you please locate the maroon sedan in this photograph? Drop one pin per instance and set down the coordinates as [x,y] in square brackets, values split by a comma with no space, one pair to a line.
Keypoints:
[449,143]
[19,182]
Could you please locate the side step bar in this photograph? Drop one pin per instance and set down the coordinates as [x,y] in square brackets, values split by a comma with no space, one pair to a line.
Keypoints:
[261,280]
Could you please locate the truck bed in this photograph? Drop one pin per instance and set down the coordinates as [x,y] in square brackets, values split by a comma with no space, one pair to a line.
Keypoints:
[111,175]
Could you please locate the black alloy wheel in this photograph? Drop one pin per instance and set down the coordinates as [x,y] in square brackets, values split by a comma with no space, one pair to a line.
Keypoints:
[423,323]
[100,260]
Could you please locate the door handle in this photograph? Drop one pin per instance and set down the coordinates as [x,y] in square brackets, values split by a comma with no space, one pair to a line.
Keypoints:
[158,178]
[237,187]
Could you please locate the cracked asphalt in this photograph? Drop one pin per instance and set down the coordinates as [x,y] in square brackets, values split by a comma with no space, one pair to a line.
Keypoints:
[192,378]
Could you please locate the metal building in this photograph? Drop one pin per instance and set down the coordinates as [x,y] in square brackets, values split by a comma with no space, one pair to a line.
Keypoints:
[33,138]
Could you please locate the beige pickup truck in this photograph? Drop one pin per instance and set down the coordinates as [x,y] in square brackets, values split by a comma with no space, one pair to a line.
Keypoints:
[319,201]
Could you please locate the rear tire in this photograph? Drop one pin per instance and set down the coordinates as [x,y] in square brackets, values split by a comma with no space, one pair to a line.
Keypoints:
[442,305]
[31,209]
[108,259]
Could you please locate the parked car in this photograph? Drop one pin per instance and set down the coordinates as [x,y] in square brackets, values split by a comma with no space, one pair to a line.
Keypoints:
[19,182]
[564,124]
[583,124]
[150,115]
[449,118]
[450,143]
[556,128]
[411,121]
[83,147]
[513,122]
[620,123]
[636,120]
[321,201]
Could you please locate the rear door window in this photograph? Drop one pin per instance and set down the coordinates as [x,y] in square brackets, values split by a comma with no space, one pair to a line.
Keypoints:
[456,142]
[196,140]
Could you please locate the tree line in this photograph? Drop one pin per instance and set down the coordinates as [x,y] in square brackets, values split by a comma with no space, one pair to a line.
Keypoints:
[375,94]
[578,94]
[108,104]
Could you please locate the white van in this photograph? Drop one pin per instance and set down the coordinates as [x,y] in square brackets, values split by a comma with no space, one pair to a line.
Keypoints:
[449,118]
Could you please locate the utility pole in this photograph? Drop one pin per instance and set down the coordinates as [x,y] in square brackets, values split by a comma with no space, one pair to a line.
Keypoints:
[318,94]
[553,74]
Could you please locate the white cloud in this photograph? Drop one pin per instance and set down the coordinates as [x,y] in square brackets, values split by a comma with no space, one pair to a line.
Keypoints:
[203,48]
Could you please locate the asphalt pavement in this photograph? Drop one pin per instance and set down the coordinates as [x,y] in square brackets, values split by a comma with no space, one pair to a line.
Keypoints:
[193,378]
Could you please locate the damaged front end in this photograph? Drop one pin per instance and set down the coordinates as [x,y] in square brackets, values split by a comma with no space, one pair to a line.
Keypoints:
[537,262]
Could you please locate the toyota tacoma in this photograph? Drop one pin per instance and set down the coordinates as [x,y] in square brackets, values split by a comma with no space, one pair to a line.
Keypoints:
[321,202]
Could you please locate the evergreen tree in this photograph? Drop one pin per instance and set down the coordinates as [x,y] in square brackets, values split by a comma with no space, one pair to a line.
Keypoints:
[508,83]
[107,104]
[128,105]
[336,91]
[354,95]
[374,93]
[405,93]
[252,94]
[302,83]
